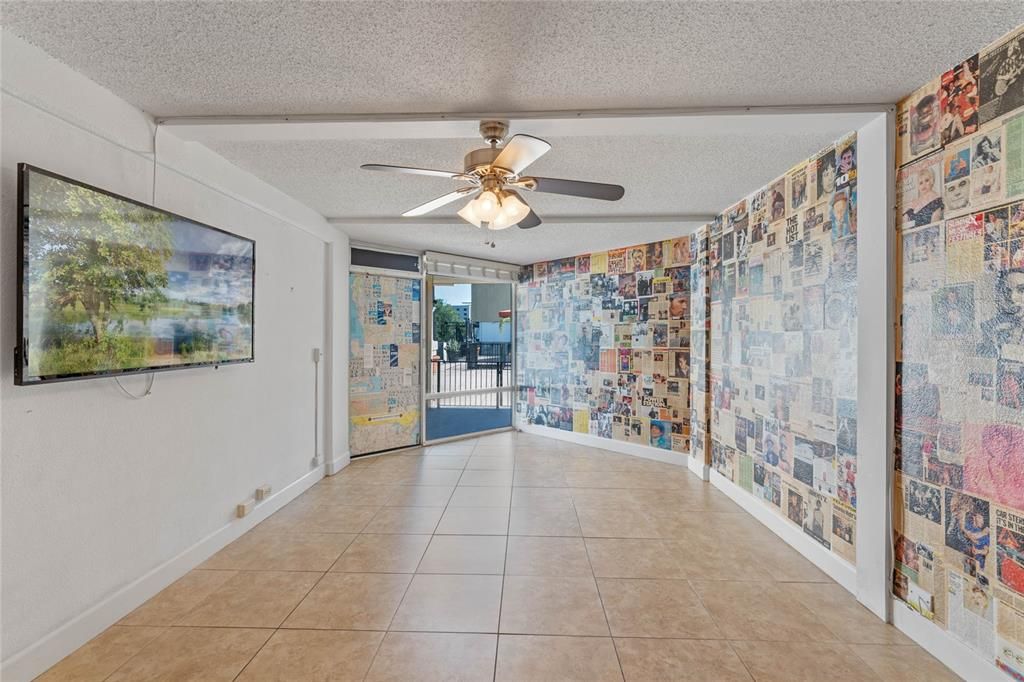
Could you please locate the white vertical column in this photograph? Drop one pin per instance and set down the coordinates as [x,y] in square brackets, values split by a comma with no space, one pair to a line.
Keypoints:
[875,361]
[336,451]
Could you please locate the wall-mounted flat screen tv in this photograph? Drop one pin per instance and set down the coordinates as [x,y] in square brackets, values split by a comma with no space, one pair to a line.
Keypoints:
[109,286]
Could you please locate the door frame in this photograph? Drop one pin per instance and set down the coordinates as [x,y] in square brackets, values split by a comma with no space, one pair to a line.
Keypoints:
[426,348]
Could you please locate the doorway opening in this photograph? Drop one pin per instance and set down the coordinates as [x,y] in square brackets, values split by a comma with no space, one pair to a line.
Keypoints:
[469,374]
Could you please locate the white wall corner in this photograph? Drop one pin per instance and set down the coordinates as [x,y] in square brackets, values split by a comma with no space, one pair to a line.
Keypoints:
[699,468]
[339,462]
[41,655]
[875,363]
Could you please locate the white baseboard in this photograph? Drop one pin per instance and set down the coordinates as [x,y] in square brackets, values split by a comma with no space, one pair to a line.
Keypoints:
[699,468]
[832,564]
[953,653]
[337,464]
[38,657]
[645,451]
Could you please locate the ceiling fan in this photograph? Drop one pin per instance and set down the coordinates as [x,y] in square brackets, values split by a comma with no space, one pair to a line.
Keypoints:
[492,176]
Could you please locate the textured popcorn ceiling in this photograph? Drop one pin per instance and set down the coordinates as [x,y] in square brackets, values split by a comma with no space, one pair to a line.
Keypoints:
[178,58]
[224,58]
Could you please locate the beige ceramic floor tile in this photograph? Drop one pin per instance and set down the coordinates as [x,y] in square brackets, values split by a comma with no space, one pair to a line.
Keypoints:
[434,657]
[655,608]
[680,660]
[556,659]
[102,655]
[450,603]
[590,498]
[783,563]
[351,601]
[560,522]
[540,478]
[547,498]
[405,520]
[313,656]
[430,477]
[213,655]
[759,611]
[481,496]
[252,599]
[616,523]
[457,462]
[485,477]
[802,661]
[904,663]
[840,612]
[474,521]
[707,554]
[420,496]
[348,494]
[547,556]
[491,462]
[594,479]
[618,558]
[551,606]
[167,607]
[383,554]
[321,518]
[480,554]
[262,551]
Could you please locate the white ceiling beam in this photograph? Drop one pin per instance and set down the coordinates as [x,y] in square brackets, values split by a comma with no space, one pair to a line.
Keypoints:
[698,218]
[594,122]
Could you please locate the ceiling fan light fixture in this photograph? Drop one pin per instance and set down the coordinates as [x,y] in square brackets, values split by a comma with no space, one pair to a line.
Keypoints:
[513,209]
[468,213]
[487,206]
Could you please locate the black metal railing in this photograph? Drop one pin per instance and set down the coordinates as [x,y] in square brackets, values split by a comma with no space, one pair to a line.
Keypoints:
[485,365]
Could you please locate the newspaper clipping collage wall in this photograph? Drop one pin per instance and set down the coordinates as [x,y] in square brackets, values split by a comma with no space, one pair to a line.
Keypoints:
[959,498]
[783,361]
[604,344]
[754,316]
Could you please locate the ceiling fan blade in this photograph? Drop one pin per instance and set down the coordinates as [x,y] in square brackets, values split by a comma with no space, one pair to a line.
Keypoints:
[531,220]
[411,171]
[433,204]
[519,152]
[573,188]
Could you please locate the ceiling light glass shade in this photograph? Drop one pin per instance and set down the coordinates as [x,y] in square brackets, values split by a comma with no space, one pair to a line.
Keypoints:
[487,206]
[468,213]
[513,209]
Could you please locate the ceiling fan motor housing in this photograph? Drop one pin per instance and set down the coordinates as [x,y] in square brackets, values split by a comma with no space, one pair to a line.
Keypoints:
[479,160]
[493,132]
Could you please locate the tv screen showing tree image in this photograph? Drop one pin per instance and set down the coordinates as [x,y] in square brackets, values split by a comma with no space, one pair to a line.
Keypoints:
[111,286]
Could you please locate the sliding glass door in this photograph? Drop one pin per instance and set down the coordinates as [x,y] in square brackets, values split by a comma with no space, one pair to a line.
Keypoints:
[469,375]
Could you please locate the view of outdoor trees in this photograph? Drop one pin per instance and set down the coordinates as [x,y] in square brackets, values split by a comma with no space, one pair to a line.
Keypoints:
[449,328]
[109,286]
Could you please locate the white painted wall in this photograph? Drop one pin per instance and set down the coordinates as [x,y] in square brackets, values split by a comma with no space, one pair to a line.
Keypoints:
[105,499]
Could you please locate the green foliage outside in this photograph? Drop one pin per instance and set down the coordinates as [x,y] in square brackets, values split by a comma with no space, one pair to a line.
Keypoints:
[449,327]
[98,270]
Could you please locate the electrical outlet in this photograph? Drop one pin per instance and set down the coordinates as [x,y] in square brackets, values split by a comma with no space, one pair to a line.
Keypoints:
[263,492]
[245,507]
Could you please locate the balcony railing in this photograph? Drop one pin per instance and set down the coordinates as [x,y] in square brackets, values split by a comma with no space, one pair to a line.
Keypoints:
[485,366]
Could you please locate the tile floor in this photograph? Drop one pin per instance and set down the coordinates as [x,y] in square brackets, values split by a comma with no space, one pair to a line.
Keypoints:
[507,557]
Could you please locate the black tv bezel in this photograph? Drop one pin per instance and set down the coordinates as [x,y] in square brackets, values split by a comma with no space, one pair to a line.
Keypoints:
[21,348]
